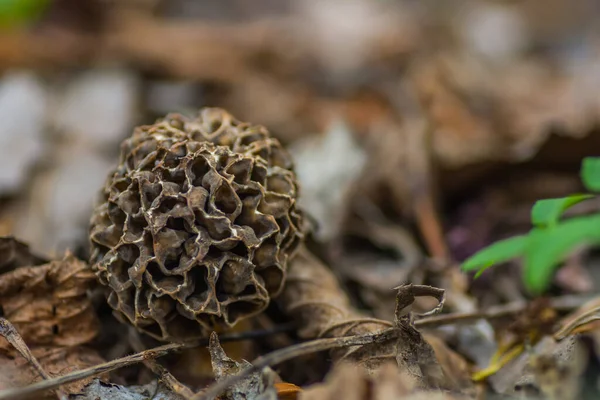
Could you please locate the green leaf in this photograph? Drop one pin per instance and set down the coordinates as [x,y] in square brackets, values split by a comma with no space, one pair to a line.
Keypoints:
[498,252]
[546,248]
[547,212]
[590,173]
[14,13]
[482,270]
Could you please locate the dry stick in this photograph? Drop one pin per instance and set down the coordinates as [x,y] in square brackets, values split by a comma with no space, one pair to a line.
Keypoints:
[168,379]
[406,296]
[270,359]
[48,384]
[150,354]
[276,357]
[10,333]
[163,374]
[562,303]
[12,336]
[294,351]
[584,318]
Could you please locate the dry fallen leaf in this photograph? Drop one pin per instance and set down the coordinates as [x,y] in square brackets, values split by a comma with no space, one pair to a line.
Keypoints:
[14,254]
[350,382]
[531,326]
[48,303]
[313,296]
[47,314]
[360,260]
[455,367]
[16,371]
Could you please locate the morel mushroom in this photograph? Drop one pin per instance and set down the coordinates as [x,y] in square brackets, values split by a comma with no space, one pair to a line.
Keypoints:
[196,225]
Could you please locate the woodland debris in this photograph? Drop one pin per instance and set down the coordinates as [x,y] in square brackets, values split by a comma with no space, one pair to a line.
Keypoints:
[400,342]
[48,303]
[584,319]
[556,355]
[506,109]
[161,372]
[549,368]
[98,106]
[529,327]
[372,271]
[560,303]
[14,254]
[98,389]
[81,374]
[56,210]
[560,379]
[326,175]
[98,368]
[258,385]
[10,334]
[56,361]
[23,106]
[52,316]
[455,367]
[313,297]
[294,351]
[347,381]
[517,81]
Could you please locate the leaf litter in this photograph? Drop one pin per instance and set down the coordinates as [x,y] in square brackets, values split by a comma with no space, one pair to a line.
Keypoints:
[425,138]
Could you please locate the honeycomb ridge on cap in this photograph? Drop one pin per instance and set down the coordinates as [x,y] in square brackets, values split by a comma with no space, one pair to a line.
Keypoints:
[196,225]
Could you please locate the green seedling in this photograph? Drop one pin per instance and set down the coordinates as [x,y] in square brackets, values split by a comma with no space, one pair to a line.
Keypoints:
[550,240]
[16,13]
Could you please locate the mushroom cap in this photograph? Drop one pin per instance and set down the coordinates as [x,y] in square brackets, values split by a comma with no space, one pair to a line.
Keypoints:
[196,225]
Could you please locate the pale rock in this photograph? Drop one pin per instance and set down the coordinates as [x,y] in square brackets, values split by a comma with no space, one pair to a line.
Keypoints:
[23,105]
[495,31]
[55,214]
[326,167]
[99,106]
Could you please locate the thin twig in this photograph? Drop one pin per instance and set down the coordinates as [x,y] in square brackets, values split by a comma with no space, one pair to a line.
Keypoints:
[584,318]
[560,303]
[12,336]
[168,379]
[294,351]
[161,372]
[10,333]
[48,384]
[17,393]
[563,303]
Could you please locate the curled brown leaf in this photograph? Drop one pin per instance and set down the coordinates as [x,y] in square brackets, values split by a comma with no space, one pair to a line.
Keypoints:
[48,303]
[14,254]
[17,372]
[322,309]
[47,316]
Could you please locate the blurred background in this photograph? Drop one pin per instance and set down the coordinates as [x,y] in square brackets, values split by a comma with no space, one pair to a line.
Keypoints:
[418,127]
